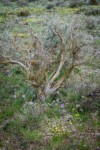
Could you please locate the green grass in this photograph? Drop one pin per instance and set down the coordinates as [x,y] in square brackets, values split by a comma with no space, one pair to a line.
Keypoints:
[34,135]
[14,85]
[26,122]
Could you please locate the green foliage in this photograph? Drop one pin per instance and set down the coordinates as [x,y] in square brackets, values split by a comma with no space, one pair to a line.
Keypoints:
[83,146]
[32,114]
[63,11]
[57,139]
[34,135]
[73,95]
[23,13]
[97,42]
[49,6]
[14,87]
[53,113]
[90,10]
[6,2]
[32,0]
[74,3]
[49,98]
[22,3]
[94,12]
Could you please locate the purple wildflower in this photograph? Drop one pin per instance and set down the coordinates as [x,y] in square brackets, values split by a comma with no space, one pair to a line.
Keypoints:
[62,106]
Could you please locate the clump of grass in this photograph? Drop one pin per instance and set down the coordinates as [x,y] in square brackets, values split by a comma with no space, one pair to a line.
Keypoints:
[83,146]
[23,13]
[22,3]
[63,11]
[74,4]
[94,12]
[49,6]
[34,135]
[53,113]
[90,10]
[6,2]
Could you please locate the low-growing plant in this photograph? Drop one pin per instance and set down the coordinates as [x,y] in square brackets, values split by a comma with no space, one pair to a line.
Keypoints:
[49,6]
[22,3]
[93,11]
[23,13]
[34,135]
[76,3]
[6,2]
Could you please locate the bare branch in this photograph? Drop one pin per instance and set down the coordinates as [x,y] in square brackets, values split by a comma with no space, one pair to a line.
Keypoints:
[56,32]
[5,60]
[60,81]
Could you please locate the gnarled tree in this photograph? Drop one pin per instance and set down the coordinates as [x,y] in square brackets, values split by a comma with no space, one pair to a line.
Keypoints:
[46,68]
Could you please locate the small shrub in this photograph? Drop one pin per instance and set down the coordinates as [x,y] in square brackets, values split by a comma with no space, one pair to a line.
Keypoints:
[91,24]
[32,0]
[32,115]
[83,146]
[91,103]
[50,6]
[31,135]
[23,13]
[13,0]
[6,2]
[56,112]
[22,3]
[95,11]
[50,0]
[74,4]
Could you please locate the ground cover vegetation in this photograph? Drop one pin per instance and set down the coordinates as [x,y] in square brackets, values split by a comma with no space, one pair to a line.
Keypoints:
[49,75]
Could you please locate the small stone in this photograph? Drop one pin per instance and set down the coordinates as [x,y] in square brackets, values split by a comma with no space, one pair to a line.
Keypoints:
[23,96]
[14,96]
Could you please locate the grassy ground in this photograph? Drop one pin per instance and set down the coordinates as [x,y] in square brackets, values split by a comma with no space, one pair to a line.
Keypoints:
[67,120]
